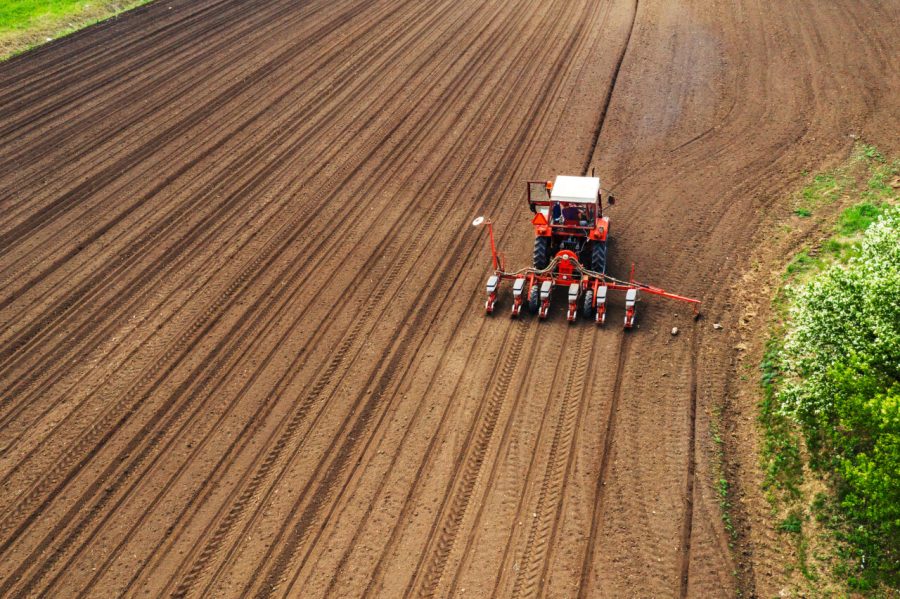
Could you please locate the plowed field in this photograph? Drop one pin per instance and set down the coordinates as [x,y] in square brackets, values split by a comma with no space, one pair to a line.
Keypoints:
[242,341]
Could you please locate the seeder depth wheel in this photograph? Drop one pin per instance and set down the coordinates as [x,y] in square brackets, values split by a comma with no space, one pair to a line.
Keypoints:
[534,299]
[588,309]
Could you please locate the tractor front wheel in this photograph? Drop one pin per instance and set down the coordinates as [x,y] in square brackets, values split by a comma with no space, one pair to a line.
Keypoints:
[541,257]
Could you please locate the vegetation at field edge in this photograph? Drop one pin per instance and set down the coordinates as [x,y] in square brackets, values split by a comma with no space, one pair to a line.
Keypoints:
[28,23]
[830,412]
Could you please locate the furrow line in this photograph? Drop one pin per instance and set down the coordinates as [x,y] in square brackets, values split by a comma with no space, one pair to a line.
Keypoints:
[38,78]
[203,323]
[684,552]
[587,566]
[446,194]
[121,264]
[451,521]
[533,565]
[134,94]
[47,215]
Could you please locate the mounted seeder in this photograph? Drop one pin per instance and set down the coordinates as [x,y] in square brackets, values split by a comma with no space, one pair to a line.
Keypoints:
[570,245]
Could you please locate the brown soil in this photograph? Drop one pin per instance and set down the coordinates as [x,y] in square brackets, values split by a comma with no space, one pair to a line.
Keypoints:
[242,348]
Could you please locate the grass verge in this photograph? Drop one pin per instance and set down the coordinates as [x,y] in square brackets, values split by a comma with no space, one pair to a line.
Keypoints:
[25,24]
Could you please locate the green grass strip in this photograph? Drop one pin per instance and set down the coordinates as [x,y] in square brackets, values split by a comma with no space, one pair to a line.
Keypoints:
[25,24]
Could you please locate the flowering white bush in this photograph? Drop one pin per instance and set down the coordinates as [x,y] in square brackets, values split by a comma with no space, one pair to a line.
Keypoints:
[847,312]
[841,366]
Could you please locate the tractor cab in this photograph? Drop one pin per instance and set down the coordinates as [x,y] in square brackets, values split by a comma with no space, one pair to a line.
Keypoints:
[568,201]
[568,216]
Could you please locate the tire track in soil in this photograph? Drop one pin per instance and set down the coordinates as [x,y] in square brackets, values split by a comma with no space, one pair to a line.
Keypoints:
[471,463]
[684,557]
[608,437]
[238,194]
[401,261]
[455,395]
[374,579]
[122,264]
[559,340]
[545,519]
[520,509]
[278,571]
[346,555]
[441,543]
[385,381]
[546,396]
[444,545]
[288,436]
[300,529]
[84,191]
[587,563]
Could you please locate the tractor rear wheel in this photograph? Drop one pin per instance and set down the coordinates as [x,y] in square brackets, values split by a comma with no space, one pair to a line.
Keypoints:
[588,309]
[541,256]
[598,257]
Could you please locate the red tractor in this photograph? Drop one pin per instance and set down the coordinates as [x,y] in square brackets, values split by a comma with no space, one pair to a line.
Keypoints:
[568,215]
[570,249]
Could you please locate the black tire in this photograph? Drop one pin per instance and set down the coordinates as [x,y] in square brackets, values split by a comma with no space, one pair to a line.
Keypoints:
[598,257]
[541,256]
[534,299]
[588,309]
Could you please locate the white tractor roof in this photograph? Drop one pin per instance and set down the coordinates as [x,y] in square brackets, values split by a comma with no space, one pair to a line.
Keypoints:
[582,190]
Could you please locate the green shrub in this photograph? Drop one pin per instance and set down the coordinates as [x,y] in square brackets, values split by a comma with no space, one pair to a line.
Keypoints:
[840,363]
